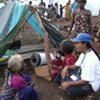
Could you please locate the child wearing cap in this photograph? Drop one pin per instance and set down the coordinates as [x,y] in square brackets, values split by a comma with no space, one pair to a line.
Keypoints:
[87,79]
[58,64]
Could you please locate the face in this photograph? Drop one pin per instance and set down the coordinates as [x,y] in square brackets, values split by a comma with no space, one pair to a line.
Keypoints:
[80,46]
[81,4]
[24,65]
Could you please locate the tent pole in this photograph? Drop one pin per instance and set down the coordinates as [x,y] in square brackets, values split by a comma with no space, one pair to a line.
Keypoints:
[46,43]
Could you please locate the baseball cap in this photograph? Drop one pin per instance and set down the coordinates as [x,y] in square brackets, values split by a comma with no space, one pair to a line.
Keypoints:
[82,37]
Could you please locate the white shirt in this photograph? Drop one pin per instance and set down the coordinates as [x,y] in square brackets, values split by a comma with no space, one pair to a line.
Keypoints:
[90,69]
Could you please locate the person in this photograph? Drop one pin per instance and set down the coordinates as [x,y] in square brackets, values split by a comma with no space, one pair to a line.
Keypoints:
[61,11]
[31,7]
[87,78]
[17,85]
[56,11]
[52,12]
[67,50]
[99,13]
[68,11]
[42,8]
[81,19]
[48,12]
[74,7]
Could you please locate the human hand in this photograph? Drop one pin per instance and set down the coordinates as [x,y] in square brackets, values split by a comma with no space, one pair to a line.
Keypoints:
[64,86]
[64,72]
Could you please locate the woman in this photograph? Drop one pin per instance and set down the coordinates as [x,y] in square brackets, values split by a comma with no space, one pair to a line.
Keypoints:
[87,79]
[81,19]
[16,84]
[68,11]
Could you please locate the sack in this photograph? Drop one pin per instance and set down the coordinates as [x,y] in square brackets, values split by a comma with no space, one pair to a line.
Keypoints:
[43,71]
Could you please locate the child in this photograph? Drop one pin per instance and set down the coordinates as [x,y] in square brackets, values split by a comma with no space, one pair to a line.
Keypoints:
[69,58]
[16,84]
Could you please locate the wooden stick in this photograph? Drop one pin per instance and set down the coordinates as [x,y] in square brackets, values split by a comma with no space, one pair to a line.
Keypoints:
[46,42]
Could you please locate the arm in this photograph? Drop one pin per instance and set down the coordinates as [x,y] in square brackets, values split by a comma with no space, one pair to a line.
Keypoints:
[72,23]
[65,85]
[63,7]
[72,67]
[65,70]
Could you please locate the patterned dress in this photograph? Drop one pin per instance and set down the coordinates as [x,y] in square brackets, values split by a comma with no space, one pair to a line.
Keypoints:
[8,91]
[81,20]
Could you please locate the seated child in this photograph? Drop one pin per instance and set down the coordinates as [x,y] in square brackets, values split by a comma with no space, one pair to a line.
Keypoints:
[16,83]
[58,64]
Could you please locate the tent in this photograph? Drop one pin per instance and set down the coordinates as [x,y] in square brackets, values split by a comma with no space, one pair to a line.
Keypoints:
[13,15]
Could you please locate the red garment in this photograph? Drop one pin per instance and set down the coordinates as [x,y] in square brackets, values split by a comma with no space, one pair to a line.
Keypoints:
[69,60]
[56,62]
[60,64]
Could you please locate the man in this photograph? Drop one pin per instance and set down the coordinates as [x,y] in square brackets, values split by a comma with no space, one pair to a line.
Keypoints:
[74,6]
[87,79]
[42,8]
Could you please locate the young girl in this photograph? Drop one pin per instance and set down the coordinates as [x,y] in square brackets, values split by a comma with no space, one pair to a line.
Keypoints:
[67,49]
[16,84]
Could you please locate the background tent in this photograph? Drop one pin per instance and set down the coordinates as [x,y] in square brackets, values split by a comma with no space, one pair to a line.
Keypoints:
[18,14]
[9,30]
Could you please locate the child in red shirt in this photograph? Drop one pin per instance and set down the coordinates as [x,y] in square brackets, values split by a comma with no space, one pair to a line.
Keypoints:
[58,64]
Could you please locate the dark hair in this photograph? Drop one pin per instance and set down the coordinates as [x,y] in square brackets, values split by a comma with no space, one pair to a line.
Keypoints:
[49,5]
[67,46]
[56,4]
[30,2]
[90,47]
[84,1]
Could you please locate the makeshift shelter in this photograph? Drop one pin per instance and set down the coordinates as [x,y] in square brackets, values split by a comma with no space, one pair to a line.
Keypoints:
[13,15]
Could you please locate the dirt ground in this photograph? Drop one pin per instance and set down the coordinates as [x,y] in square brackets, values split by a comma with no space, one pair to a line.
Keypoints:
[48,90]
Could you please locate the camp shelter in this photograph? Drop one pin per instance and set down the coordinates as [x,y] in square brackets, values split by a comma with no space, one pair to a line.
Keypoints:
[13,15]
